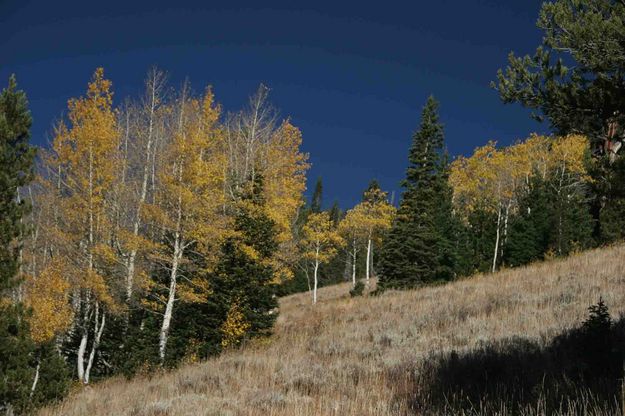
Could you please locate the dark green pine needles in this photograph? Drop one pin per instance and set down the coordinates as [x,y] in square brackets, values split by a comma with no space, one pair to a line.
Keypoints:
[420,246]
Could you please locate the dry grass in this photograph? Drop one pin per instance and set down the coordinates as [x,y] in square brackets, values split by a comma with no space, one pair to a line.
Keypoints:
[349,356]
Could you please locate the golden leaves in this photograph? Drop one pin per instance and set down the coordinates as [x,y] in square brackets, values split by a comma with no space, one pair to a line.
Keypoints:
[47,296]
[235,326]
[492,177]
[319,238]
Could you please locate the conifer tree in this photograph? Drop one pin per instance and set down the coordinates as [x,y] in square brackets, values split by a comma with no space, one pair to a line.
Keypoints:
[20,360]
[414,249]
[243,284]
[317,197]
[16,170]
[16,159]
[531,228]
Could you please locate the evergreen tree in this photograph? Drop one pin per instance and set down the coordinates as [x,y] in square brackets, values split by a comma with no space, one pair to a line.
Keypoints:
[415,248]
[481,239]
[317,197]
[334,271]
[531,228]
[16,349]
[575,77]
[374,193]
[612,215]
[244,277]
[16,164]
[16,170]
[573,222]
[19,358]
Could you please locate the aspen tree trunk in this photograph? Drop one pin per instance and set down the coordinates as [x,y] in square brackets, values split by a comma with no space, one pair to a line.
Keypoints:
[354,264]
[505,225]
[169,308]
[368,261]
[144,190]
[497,241]
[170,302]
[80,355]
[97,330]
[36,380]
[85,335]
[315,276]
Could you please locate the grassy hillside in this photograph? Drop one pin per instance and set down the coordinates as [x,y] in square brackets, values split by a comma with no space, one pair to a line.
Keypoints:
[392,354]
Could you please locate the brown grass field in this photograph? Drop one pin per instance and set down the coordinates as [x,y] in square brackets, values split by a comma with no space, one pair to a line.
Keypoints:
[375,355]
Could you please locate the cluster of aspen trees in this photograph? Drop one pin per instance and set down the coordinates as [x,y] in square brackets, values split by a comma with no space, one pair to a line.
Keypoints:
[495,182]
[127,192]
[127,198]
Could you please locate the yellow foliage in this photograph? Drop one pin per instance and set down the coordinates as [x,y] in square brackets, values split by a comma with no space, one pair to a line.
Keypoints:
[284,176]
[84,158]
[491,178]
[235,327]
[319,238]
[47,296]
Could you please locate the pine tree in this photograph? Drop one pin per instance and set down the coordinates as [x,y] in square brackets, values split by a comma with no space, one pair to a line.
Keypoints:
[16,170]
[416,245]
[243,284]
[531,228]
[16,159]
[20,361]
[317,197]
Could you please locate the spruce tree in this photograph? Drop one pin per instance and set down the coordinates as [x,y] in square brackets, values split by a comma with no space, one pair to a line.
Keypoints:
[374,193]
[16,170]
[417,247]
[530,230]
[241,282]
[19,356]
[16,165]
[334,271]
[244,276]
[317,197]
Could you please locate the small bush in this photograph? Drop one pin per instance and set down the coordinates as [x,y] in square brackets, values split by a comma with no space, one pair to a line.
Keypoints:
[358,289]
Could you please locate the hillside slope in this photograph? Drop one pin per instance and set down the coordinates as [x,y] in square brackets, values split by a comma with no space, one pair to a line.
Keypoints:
[361,356]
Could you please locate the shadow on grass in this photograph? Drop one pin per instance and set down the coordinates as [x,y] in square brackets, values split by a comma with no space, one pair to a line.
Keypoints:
[579,372]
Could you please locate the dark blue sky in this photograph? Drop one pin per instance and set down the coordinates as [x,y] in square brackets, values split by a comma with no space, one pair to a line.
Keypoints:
[353,77]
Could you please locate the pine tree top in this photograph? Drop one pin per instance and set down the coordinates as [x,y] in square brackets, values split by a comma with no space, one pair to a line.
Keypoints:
[427,146]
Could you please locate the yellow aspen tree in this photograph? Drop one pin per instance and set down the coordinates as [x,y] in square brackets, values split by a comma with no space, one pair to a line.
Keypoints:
[378,214]
[320,241]
[256,144]
[48,299]
[568,156]
[284,168]
[487,180]
[85,158]
[190,204]
[353,229]
[141,130]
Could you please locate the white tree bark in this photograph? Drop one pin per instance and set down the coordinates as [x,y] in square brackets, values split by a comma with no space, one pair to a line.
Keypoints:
[354,263]
[316,279]
[80,355]
[98,330]
[368,261]
[36,380]
[169,308]
[494,268]
[154,86]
